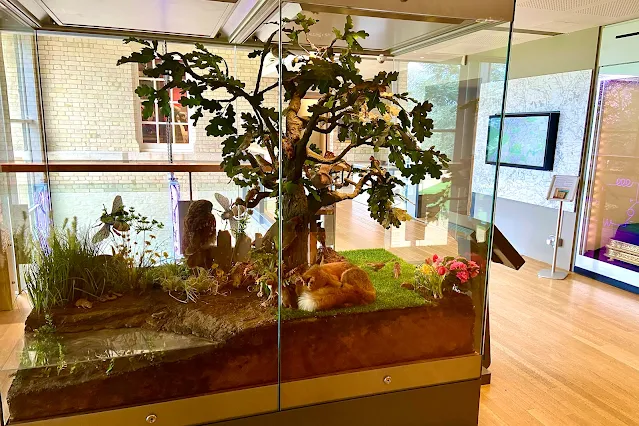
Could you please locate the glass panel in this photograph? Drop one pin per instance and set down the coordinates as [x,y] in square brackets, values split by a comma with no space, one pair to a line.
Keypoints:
[162,118]
[142,67]
[180,113]
[176,94]
[387,210]
[164,133]
[149,133]
[143,280]
[117,306]
[24,203]
[181,134]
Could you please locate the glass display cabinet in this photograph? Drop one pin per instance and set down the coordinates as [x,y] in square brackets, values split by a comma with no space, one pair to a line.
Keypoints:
[609,233]
[280,224]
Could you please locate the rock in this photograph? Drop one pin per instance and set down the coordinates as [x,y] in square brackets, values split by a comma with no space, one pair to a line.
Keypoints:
[83,303]
[408,286]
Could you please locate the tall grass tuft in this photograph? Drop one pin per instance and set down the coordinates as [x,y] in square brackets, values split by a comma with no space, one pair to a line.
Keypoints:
[70,267]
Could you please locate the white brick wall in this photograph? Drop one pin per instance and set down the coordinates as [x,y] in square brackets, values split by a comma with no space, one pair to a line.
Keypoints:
[92,113]
[89,104]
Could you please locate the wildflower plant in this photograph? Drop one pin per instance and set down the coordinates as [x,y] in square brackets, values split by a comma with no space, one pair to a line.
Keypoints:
[437,276]
[134,241]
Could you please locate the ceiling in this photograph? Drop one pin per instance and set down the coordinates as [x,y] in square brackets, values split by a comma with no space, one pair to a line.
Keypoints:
[566,16]
[480,41]
[186,17]
[417,38]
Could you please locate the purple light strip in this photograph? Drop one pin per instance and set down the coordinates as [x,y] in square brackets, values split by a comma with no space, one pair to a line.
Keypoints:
[42,199]
[174,193]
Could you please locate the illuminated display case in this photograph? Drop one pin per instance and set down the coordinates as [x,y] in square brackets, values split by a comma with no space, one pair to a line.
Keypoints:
[254,232]
[609,234]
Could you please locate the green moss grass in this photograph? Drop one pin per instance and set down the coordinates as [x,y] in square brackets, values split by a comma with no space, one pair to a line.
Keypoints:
[390,294]
[435,189]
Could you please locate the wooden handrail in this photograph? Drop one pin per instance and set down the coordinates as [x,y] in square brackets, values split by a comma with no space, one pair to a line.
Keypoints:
[108,166]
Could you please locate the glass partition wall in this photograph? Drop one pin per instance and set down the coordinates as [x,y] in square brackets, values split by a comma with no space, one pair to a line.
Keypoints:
[252,228]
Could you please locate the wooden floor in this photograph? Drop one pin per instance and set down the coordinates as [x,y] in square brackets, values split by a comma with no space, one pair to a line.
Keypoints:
[564,352]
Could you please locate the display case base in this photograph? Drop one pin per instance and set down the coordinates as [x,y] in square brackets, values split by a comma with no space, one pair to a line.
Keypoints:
[450,404]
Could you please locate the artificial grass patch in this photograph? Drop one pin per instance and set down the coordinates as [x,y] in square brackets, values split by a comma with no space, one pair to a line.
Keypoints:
[390,294]
[435,189]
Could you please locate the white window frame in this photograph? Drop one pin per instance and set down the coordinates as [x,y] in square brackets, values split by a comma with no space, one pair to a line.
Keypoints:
[160,146]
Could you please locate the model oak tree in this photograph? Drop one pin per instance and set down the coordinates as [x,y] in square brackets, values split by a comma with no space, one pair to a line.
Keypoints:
[363,112]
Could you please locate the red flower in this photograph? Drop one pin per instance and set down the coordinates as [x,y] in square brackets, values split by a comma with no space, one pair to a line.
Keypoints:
[463,276]
[435,258]
[473,264]
[441,270]
[457,265]
[428,261]
[474,273]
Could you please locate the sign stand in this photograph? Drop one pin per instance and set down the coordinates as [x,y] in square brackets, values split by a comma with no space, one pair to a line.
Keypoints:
[552,273]
[562,188]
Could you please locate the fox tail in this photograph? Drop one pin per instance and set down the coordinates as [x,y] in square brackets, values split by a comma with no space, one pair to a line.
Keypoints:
[332,297]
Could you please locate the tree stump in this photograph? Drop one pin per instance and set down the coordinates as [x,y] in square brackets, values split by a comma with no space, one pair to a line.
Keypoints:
[242,248]
[224,251]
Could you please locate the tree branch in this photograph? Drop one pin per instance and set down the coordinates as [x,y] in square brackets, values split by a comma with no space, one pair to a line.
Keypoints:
[265,52]
[332,197]
[259,197]
[334,122]
[317,158]
[271,87]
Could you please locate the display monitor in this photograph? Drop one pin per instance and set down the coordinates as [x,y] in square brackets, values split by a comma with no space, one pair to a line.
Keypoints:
[528,141]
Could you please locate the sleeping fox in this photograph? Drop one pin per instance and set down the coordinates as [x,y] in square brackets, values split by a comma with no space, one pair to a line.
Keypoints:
[335,285]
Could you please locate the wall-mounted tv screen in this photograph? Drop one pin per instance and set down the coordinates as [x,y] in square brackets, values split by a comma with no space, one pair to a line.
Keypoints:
[528,141]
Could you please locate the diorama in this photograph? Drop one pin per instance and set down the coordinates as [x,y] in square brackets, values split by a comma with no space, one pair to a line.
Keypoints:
[118,322]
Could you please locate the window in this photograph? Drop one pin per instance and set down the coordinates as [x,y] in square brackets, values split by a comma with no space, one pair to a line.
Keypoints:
[159,129]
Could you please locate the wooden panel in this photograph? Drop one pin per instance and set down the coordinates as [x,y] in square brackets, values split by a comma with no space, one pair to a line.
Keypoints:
[181,412]
[369,382]
[106,166]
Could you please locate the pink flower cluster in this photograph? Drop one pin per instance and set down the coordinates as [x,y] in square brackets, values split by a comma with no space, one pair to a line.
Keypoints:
[458,267]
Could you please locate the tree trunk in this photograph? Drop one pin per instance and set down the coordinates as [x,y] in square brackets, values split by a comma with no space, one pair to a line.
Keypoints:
[295,215]
[295,222]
